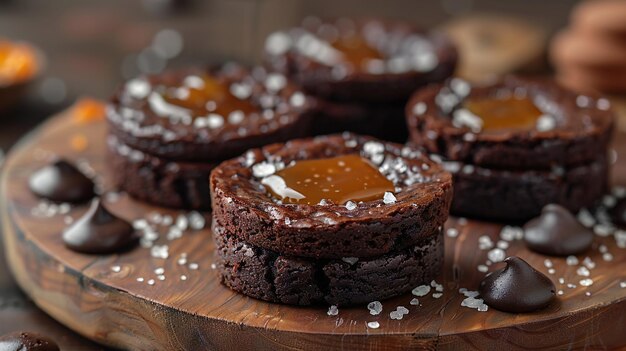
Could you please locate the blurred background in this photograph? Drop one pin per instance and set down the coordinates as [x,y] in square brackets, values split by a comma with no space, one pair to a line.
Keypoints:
[91,46]
[87,48]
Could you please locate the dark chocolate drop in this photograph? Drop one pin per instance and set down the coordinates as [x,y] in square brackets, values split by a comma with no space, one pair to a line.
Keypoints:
[557,232]
[99,232]
[61,181]
[27,341]
[618,213]
[517,288]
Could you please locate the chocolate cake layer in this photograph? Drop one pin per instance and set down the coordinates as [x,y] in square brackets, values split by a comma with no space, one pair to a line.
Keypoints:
[158,180]
[419,204]
[520,195]
[266,275]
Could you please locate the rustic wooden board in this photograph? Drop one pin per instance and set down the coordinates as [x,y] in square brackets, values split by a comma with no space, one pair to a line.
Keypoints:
[90,295]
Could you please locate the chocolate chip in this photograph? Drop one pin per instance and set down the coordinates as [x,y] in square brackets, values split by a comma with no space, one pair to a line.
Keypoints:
[557,232]
[27,341]
[517,288]
[99,232]
[61,181]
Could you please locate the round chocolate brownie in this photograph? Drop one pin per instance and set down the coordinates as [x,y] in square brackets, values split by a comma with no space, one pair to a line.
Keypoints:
[158,180]
[207,115]
[365,60]
[517,123]
[519,195]
[331,197]
[267,275]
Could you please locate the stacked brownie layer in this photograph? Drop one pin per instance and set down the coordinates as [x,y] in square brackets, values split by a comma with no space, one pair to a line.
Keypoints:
[361,72]
[512,171]
[338,253]
[167,132]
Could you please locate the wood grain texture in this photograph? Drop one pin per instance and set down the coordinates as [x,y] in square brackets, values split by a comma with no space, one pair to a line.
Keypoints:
[113,308]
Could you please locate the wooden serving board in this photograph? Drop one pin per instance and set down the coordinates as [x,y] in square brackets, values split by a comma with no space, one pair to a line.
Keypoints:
[101,298]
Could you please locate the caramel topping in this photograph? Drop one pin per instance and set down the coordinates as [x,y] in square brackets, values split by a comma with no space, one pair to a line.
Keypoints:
[356,50]
[208,95]
[338,179]
[17,62]
[509,113]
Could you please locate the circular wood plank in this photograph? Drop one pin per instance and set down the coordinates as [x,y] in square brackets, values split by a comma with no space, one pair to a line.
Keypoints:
[102,298]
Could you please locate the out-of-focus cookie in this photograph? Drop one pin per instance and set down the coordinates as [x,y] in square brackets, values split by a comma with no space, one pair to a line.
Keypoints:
[493,45]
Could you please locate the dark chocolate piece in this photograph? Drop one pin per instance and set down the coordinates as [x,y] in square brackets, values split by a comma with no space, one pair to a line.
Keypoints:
[517,288]
[99,232]
[61,181]
[27,341]
[557,232]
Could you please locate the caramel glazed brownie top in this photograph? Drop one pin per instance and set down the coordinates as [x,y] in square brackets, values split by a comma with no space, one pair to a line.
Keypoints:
[544,125]
[369,60]
[413,209]
[207,115]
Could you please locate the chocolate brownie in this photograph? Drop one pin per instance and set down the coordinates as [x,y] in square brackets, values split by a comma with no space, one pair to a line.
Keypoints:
[267,275]
[360,60]
[158,180]
[414,204]
[520,195]
[208,115]
[545,125]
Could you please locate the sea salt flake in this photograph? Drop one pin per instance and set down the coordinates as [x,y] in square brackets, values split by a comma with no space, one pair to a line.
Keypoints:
[159,251]
[415,302]
[373,325]
[402,310]
[196,220]
[510,233]
[116,269]
[482,268]
[571,260]
[395,315]
[350,205]
[421,290]
[452,232]
[586,282]
[375,307]
[484,242]
[333,310]
[586,218]
[548,263]
[350,260]
[263,169]
[496,255]
[389,198]
[437,295]
[583,271]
